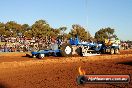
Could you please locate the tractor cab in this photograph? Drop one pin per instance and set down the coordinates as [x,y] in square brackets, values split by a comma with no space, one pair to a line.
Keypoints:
[74,41]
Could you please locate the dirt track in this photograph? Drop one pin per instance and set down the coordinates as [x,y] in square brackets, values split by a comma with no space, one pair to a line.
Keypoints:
[17,71]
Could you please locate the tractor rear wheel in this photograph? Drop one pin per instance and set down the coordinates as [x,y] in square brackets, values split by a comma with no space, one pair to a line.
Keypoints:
[66,50]
[112,51]
[80,51]
[116,51]
[103,51]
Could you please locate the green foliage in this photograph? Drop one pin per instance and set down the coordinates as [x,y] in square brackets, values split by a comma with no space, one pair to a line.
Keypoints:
[105,33]
[41,29]
[62,29]
[12,29]
[80,32]
[28,34]
[2,29]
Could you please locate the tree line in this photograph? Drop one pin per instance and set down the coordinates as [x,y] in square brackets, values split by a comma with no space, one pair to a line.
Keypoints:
[41,29]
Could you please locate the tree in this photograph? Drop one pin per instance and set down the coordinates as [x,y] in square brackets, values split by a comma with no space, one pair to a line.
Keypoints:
[12,29]
[27,30]
[105,33]
[63,29]
[28,34]
[80,32]
[41,29]
[54,32]
[26,27]
[62,33]
[2,29]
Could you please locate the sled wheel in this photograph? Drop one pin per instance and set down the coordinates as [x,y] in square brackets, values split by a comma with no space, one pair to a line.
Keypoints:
[41,56]
[66,50]
[58,54]
[34,56]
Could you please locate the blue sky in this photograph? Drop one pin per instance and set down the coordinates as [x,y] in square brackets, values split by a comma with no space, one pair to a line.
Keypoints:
[116,14]
[91,14]
[56,12]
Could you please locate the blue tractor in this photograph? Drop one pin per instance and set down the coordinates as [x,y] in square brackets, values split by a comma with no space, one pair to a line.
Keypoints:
[76,47]
[111,46]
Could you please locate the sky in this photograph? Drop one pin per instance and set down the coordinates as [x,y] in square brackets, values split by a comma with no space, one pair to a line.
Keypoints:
[116,14]
[91,14]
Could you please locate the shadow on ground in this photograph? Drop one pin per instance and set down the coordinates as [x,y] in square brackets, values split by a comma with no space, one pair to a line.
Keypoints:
[2,85]
[126,63]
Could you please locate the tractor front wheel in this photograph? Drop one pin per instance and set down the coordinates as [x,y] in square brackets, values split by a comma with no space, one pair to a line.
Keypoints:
[66,50]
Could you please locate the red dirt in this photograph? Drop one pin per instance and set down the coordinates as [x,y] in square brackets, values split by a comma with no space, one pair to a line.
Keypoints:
[17,71]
